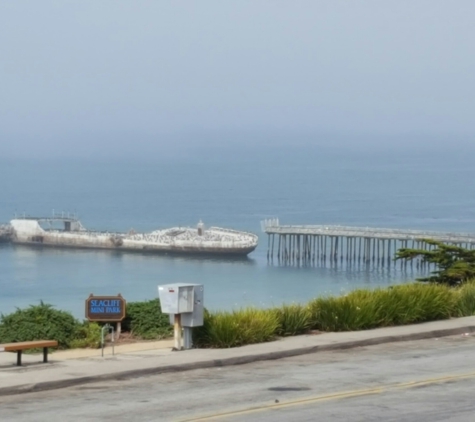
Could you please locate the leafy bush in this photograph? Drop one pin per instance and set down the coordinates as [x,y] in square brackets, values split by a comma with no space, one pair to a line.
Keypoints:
[38,322]
[87,335]
[146,320]
[293,319]
[237,328]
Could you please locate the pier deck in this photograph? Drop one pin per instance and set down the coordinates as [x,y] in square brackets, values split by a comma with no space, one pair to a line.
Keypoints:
[295,244]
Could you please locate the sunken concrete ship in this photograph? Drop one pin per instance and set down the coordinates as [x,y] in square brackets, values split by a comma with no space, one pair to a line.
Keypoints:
[68,232]
[5,233]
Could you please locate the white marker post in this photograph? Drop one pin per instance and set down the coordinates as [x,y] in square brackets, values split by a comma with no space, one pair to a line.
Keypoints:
[177,332]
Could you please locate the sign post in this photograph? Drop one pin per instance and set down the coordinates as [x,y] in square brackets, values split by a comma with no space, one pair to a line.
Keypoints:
[106,309]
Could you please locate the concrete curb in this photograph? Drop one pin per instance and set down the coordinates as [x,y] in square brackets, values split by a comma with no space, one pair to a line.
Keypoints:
[125,375]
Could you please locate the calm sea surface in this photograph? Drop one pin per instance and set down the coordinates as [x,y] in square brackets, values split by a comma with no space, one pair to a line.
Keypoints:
[230,187]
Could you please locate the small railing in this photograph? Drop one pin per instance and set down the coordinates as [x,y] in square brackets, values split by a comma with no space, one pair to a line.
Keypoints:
[273,227]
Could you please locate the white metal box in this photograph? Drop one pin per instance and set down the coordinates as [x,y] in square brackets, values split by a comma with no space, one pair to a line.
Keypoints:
[183,299]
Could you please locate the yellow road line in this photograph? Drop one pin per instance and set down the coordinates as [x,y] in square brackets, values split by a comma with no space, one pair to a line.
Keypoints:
[438,380]
[334,396]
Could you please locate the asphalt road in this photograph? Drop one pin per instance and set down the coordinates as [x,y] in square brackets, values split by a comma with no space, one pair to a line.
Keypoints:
[429,380]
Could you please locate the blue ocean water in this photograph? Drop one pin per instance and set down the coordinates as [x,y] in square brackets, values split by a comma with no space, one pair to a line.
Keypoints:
[419,188]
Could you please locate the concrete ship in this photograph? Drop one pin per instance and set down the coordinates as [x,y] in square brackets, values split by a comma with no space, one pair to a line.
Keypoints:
[5,233]
[178,240]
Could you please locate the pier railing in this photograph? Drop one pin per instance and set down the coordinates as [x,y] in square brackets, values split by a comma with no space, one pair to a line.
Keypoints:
[310,243]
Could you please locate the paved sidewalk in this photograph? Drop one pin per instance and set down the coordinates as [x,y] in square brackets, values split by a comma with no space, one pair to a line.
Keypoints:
[142,359]
[118,350]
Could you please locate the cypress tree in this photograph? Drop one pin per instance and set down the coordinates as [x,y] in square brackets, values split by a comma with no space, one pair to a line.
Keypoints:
[454,264]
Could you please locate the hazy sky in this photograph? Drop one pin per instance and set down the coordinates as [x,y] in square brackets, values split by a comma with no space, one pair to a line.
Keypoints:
[79,76]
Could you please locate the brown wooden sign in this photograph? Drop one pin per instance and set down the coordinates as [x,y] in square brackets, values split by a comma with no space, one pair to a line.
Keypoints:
[105,308]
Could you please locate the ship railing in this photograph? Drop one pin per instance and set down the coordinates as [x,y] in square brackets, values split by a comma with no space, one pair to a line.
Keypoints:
[234,232]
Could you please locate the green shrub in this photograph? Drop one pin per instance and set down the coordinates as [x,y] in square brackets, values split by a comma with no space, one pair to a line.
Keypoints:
[39,322]
[218,330]
[466,300]
[352,312]
[293,319]
[399,305]
[200,334]
[417,302]
[358,310]
[146,320]
[87,335]
[237,328]
[391,306]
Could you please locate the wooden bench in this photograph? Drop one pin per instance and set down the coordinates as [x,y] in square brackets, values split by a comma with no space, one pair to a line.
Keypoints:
[25,345]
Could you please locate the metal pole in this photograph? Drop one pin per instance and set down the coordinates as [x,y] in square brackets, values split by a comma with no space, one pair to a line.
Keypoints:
[187,338]
[105,327]
[112,337]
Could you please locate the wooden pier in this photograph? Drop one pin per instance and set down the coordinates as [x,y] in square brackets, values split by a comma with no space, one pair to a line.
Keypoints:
[305,245]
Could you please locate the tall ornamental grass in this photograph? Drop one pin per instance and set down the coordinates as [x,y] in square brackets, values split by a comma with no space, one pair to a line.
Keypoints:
[293,319]
[358,310]
[399,305]
[237,328]
[466,300]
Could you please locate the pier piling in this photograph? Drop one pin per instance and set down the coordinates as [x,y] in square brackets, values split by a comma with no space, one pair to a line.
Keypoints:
[303,245]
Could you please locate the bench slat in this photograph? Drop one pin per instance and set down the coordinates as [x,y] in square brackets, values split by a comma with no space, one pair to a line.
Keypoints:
[23,345]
